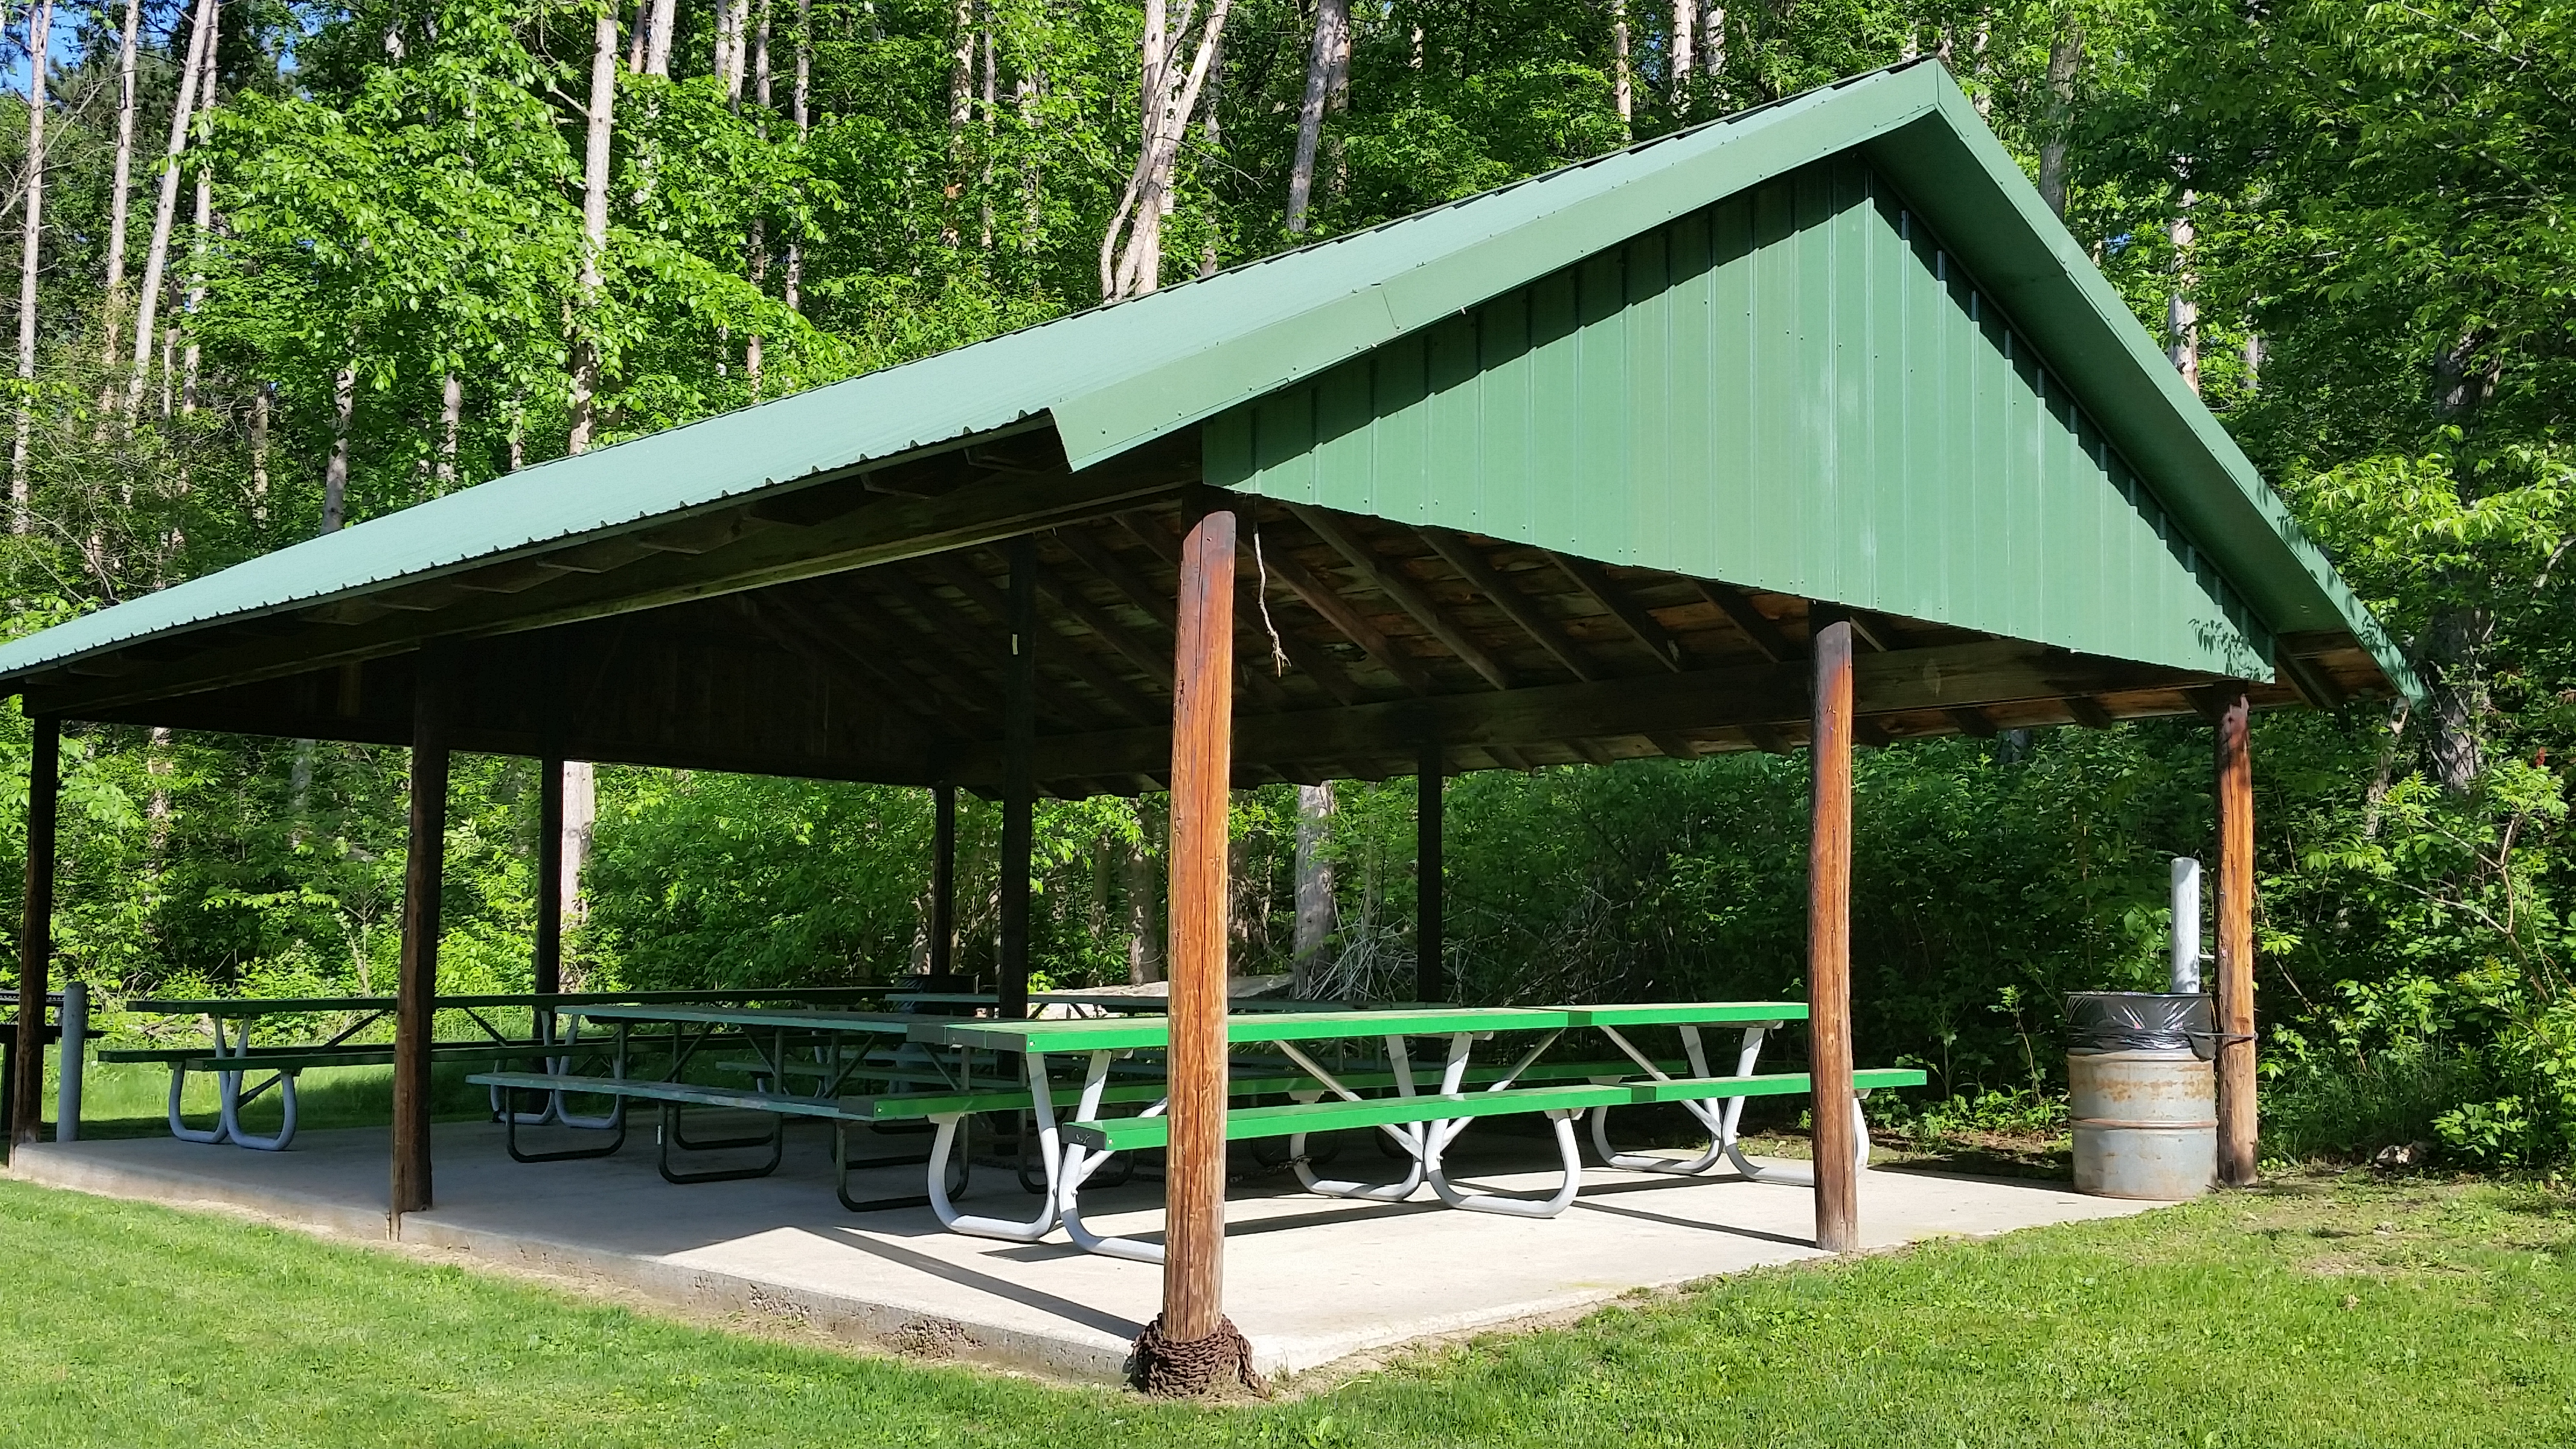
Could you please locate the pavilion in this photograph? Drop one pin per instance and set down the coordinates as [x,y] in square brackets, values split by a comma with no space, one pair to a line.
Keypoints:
[1809,427]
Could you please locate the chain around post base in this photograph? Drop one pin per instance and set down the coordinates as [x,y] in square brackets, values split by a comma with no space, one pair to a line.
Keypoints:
[1218,1363]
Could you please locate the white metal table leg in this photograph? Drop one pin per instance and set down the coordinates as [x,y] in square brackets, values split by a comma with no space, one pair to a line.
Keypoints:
[1050,1152]
[1407,1135]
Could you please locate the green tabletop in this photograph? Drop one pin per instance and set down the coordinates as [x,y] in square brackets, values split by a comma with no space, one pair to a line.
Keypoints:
[1687,1013]
[1154,1031]
[241,1006]
[880,1022]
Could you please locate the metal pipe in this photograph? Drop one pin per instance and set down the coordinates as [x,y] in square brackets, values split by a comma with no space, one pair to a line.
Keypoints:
[2186,926]
[74,1017]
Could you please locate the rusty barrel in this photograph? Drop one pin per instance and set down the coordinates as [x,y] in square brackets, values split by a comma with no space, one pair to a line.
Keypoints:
[2141,1094]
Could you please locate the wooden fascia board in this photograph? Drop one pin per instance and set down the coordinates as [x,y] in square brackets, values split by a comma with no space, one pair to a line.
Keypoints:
[887,532]
[1956,676]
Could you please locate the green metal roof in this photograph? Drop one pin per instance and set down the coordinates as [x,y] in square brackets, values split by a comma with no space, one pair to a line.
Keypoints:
[1117,377]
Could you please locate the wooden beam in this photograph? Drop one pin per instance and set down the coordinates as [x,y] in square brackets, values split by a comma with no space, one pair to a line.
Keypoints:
[867,688]
[943,879]
[416,978]
[1972,721]
[1990,672]
[1121,697]
[2089,712]
[1430,968]
[1389,578]
[2313,684]
[1757,626]
[1595,581]
[1194,1163]
[1335,610]
[547,961]
[1103,560]
[36,931]
[1252,613]
[864,616]
[2235,940]
[884,532]
[1157,663]
[964,639]
[1829,828]
[1482,576]
[1019,803]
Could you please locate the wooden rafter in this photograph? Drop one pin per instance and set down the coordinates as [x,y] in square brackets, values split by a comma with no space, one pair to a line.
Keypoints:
[1389,578]
[1757,626]
[1596,582]
[1120,695]
[1335,610]
[1480,574]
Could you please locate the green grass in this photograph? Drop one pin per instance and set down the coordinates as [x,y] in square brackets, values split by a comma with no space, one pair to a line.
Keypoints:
[2321,1312]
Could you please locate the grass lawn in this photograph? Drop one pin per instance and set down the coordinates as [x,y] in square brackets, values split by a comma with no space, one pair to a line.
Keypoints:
[2319,1311]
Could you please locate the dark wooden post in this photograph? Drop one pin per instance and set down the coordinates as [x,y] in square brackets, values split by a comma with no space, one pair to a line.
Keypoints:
[416,982]
[1019,790]
[1429,977]
[1829,943]
[1193,1345]
[943,879]
[2235,790]
[36,932]
[550,820]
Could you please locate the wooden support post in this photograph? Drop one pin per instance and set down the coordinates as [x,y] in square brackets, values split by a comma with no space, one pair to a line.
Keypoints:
[416,981]
[1019,785]
[1193,1346]
[943,879]
[548,974]
[36,932]
[2235,790]
[1829,942]
[1430,979]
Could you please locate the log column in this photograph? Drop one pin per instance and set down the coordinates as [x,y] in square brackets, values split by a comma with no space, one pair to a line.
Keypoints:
[1829,943]
[1019,789]
[943,879]
[1192,1346]
[550,882]
[36,932]
[1430,868]
[416,983]
[2235,791]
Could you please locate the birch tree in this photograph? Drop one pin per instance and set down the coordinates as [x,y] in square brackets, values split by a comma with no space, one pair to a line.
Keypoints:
[157,259]
[120,189]
[594,231]
[2057,120]
[1327,59]
[40,21]
[1131,249]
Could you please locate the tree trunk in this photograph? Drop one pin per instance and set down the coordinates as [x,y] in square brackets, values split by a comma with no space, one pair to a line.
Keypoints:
[259,420]
[119,203]
[1325,57]
[1622,84]
[1166,102]
[1314,884]
[1684,54]
[992,99]
[335,477]
[759,247]
[795,280]
[40,23]
[156,260]
[451,421]
[580,821]
[657,49]
[2065,58]
[2182,314]
[635,42]
[594,224]
[205,225]
[1144,914]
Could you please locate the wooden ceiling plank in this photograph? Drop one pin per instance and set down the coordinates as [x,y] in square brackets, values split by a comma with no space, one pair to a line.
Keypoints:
[2088,712]
[863,615]
[1252,617]
[1482,576]
[777,613]
[1335,610]
[1972,721]
[953,629]
[1389,579]
[1757,626]
[866,691]
[1595,581]
[1121,575]
[1157,663]
[1121,695]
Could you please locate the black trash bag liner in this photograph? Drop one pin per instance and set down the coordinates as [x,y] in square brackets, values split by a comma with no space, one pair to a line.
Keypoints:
[2135,1021]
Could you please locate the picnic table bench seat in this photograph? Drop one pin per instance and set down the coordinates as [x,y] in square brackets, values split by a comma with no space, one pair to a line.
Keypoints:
[1434,1121]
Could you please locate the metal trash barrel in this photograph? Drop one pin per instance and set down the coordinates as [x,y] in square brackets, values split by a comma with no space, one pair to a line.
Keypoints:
[2141,1093]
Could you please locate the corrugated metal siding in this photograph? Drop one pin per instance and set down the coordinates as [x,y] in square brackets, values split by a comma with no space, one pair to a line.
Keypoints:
[1794,390]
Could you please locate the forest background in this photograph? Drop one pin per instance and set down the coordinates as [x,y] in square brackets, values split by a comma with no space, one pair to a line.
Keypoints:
[287,265]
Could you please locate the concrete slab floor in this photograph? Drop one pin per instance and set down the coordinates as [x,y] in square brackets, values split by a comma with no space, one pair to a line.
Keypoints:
[1310,1280]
